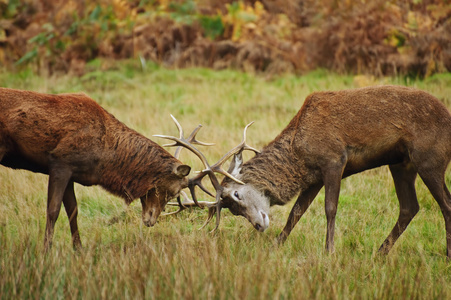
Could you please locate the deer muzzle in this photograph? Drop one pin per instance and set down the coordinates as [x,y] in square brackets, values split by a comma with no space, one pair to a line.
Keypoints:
[150,216]
[260,221]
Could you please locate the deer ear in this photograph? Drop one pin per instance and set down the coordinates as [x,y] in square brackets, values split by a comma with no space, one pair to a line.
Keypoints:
[182,170]
[235,165]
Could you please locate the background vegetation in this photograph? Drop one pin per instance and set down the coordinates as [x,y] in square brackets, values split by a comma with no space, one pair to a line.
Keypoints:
[136,58]
[376,37]
[123,259]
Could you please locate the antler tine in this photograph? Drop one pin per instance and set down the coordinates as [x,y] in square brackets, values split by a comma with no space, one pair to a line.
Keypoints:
[217,167]
[178,126]
[186,203]
[179,203]
[245,145]
[181,133]
[182,142]
[191,139]
[202,204]
[179,148]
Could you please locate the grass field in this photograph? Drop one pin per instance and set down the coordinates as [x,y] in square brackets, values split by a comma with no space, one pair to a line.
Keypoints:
[123,259]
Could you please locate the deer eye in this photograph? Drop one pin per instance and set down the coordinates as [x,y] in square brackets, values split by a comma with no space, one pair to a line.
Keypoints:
[236,195]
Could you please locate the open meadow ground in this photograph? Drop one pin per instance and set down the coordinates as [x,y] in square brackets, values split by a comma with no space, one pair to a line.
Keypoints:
[123,259]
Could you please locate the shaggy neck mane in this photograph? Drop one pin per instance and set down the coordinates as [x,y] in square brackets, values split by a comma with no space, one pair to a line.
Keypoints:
[276,172]
[132,157]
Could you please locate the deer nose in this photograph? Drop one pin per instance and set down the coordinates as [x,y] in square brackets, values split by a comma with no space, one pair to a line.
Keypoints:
[261,226]
[149,219]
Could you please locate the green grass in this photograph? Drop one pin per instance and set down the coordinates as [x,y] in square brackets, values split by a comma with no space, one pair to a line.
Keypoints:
[124,259]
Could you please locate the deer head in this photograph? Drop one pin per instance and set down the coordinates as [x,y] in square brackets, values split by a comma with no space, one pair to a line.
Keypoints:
[243,199]
[154,201]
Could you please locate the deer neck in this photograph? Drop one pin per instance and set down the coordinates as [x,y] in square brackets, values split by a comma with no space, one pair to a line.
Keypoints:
[127,163]
[276,172]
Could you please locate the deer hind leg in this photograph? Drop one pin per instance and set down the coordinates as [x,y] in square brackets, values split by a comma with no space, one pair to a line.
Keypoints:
[434,178]
[58,180]
[302,204]
[70,204]
[404,176]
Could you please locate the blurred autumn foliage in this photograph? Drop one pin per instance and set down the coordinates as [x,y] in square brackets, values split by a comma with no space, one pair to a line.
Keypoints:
[375,37]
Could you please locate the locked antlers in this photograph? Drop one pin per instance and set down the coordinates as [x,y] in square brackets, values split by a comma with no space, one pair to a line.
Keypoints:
[209,170]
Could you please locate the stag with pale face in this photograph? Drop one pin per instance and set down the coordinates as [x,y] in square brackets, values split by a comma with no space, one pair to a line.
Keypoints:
[338,134]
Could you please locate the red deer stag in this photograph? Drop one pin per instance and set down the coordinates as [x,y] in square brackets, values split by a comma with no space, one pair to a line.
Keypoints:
[73,139]
[337,134]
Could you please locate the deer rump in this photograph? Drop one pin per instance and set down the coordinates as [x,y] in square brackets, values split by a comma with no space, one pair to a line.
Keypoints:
[337,134]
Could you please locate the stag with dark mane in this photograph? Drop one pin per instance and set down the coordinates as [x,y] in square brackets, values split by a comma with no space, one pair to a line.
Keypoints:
[73,139]
[337,134]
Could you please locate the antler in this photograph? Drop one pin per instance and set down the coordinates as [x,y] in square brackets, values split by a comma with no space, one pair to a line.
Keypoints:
[191,140]
[209,170]
[211,206]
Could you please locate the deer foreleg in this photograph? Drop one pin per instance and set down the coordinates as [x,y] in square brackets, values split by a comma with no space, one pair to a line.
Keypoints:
[70,204]
[300,207]
[58,180]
